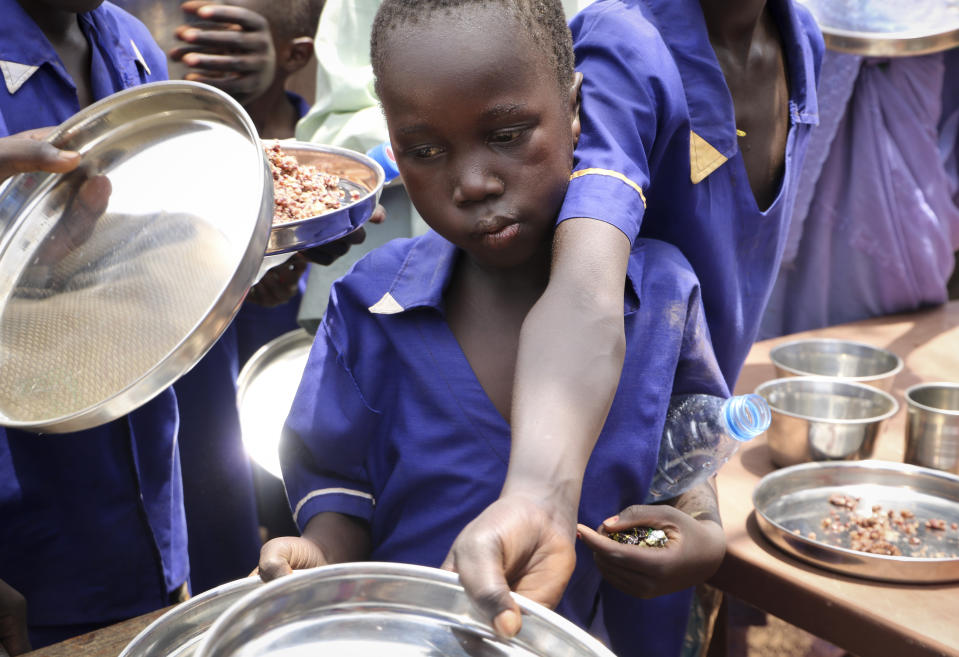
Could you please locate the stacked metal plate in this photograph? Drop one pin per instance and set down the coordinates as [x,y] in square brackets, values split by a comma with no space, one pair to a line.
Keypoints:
[354,610]
[887,28]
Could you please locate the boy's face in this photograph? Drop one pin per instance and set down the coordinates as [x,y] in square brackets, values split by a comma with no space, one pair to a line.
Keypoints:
[482,133]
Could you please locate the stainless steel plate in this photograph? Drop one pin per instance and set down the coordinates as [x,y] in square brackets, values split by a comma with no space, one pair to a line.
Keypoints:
[265,390]
[888,28]
[796,499]
[117,277]
[369,608]
[178,632]
[357,172]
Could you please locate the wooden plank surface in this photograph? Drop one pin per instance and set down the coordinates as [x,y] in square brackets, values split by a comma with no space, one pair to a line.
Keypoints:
[869,619]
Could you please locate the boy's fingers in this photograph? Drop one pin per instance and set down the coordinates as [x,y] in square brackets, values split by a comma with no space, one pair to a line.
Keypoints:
[485,583]
[227,63]
[22,154]
[224,40]
[639,515]
[593,540]
[249,20]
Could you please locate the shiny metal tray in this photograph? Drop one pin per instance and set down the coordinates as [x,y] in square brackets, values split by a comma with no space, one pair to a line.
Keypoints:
[368,608]
[887,28]
[357,173]
[265,390]
[791,504]
[178,632]
[117,277]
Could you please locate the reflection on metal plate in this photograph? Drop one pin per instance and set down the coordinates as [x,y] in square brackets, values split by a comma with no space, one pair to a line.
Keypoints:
[890,28]
[369,608]
[792,503]
[178,632]
[265,390]
[117,277]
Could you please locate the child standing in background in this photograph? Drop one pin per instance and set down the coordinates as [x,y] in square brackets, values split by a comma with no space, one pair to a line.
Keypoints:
[398,436]
[247,48]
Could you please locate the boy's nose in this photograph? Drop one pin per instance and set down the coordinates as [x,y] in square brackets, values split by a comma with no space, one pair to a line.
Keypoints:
[474,184]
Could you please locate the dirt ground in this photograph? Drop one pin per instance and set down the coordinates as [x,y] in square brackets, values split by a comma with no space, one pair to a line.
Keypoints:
[778,638]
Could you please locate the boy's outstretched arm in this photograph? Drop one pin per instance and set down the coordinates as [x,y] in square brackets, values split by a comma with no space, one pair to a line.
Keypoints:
[329,537]
[570,358]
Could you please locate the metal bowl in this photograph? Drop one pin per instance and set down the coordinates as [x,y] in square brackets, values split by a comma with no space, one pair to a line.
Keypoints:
[357,173]
[886,28]
[264,393]
[178,632]
[932,427]
[844,359]
[821,419]
[370,608]
[791,504]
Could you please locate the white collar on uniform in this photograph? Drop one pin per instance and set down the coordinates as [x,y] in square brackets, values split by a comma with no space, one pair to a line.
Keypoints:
[15,74]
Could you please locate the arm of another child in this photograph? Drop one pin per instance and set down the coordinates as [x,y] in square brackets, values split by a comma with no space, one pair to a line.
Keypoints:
[693,552]
[569,362]
[328,538]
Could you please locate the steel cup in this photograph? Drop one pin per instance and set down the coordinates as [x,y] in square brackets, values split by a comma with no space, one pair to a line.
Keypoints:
[823,419]
[842,359]
[932,426]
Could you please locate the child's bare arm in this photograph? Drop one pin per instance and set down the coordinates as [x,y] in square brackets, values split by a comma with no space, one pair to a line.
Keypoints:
[693,552]
[328,538]
[570,358]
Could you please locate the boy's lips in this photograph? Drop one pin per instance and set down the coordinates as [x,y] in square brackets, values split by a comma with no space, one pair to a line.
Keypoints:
[493,226]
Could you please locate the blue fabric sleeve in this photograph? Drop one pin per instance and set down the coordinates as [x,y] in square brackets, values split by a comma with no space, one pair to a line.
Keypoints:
[615,48]
[323,450]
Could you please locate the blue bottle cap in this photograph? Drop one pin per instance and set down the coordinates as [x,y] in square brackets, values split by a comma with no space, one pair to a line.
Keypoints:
[383,154]
[746,416]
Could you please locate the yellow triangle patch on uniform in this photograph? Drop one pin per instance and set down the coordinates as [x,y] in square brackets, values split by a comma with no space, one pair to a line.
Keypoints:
[703,158]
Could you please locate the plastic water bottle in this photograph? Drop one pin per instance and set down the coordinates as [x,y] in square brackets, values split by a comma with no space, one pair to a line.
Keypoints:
[701,433]
[383,154]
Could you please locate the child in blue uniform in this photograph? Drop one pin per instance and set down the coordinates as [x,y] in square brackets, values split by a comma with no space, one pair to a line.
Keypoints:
[224,506]
[398,434]
[91,523]
[696,115]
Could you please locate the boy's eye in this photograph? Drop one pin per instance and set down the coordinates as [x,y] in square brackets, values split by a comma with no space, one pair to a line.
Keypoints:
[506,136]
[425,152]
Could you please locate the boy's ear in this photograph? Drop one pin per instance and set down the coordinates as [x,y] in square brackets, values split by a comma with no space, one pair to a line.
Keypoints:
[574,104]
[298,54]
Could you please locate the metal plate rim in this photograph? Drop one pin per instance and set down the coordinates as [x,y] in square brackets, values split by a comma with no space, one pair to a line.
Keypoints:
[777,533]
[194,345]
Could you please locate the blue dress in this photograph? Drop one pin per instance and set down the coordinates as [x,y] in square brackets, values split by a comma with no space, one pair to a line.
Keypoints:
[92,529]
[391,425]
[658,155]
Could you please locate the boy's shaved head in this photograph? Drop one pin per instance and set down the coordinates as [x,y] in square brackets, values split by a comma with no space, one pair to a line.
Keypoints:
[289,19]
[543,20]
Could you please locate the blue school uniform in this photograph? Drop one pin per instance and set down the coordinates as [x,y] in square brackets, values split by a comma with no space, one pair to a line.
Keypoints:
[91,523]
[221,499]
[658,155]
[391,425]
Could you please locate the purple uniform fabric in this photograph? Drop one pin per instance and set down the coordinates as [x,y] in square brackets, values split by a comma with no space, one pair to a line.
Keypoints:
[880,230]
[658,156]
[391,425]
[91,523]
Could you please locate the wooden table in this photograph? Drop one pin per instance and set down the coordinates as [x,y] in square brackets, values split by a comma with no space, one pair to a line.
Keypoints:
[869,619]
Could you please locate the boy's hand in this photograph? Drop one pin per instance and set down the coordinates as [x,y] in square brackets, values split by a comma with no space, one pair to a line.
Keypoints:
[27,151]
[279,284]
[281,556]
[516,543]
[13,621]
[693,552]
[231,50]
